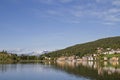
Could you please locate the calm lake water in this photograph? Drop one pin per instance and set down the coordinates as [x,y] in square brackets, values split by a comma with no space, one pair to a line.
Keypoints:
[61,71]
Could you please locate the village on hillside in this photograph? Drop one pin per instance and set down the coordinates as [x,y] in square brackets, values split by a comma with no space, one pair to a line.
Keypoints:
[102,54]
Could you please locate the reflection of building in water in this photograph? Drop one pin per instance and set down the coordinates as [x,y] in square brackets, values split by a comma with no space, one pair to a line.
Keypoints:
[111,70]
[114,63]
[84,58]
[84,63]
[90,63]
[105,63]
[100,71]
[95,65]
[67,63]
[71,64]
[61,63]
[109,67]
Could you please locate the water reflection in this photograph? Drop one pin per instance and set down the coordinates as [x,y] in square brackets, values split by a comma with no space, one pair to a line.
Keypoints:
[7,67]
[80,70]
[91,69]
[37,71]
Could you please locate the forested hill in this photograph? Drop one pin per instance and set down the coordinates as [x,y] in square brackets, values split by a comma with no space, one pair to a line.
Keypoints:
[87,48]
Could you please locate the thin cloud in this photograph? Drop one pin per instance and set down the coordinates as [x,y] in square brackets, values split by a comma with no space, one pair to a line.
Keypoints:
[103,12]
[108,23]
[116,2]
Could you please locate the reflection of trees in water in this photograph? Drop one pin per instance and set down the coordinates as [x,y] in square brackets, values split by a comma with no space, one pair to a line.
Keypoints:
[13,67]
[7,67]
[94,70]
[18,67]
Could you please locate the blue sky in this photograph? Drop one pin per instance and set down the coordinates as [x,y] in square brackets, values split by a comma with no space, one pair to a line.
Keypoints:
[56,24]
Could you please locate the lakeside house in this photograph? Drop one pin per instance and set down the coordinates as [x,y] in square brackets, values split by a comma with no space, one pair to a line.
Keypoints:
[47,58]
[70,58]
[62,58]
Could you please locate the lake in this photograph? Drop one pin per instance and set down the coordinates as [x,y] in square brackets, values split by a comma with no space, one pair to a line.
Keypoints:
[86,70]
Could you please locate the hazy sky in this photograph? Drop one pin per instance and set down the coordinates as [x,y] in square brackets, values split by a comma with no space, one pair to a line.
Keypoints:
[56,24]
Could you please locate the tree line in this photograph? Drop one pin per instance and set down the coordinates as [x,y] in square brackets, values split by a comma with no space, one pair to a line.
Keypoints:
[9,57]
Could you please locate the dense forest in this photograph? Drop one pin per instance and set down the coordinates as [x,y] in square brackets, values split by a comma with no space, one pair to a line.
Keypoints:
[86,48]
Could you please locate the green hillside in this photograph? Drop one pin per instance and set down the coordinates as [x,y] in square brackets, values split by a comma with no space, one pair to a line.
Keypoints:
[87,48]
[6,57]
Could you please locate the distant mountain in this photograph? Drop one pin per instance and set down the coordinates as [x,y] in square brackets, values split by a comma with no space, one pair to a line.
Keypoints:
[18,51]
[27,51]
[45,52]
[37,53]
[87,48]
